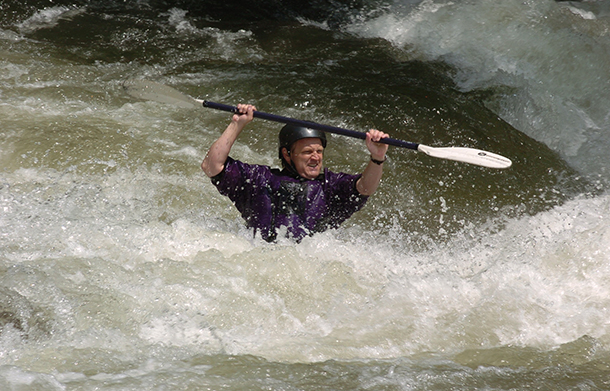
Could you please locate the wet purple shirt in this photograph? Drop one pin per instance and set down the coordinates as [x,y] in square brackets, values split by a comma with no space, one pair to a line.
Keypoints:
[269,198]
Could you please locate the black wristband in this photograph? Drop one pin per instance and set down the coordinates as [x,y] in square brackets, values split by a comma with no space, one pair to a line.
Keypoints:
[379,162]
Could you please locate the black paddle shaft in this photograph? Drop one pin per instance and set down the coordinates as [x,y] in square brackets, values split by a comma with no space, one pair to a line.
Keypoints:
[311,125]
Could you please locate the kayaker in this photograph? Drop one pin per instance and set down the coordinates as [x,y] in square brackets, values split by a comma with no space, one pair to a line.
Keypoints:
[304,197]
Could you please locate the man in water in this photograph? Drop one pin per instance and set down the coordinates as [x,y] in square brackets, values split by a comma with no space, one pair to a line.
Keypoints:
[304,197]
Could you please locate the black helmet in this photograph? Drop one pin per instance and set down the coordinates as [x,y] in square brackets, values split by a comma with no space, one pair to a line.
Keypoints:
[291,133]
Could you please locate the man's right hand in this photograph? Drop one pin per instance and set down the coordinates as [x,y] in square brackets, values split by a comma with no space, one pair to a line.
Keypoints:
[245,116]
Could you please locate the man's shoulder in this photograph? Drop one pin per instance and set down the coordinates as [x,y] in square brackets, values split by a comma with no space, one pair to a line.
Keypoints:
[232,164]
[236,170]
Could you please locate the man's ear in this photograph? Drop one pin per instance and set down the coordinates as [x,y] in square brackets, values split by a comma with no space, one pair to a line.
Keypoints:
[286,155]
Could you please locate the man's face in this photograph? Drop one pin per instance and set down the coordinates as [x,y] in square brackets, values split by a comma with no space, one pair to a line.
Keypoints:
[306,155]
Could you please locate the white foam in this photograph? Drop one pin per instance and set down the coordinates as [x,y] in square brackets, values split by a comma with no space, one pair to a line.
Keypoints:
[555,56]
[48,18]
[201,284]
[13,378]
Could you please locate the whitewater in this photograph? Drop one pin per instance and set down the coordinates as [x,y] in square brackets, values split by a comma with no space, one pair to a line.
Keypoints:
[122,268]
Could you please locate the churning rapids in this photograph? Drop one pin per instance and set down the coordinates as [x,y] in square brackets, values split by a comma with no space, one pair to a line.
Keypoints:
[122,268]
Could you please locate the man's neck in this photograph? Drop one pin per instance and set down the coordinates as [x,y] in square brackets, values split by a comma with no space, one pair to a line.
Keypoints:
[290,171]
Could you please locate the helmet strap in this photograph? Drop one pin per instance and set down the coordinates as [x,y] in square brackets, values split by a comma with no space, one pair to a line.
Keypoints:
[289,166]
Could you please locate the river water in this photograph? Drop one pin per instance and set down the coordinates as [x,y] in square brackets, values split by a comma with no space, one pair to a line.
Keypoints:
[122,268]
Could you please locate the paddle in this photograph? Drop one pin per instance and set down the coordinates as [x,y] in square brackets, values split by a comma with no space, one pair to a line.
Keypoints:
[149,90]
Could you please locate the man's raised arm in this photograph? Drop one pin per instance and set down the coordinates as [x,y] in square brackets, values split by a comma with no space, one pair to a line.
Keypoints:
[368,183]
[214,160]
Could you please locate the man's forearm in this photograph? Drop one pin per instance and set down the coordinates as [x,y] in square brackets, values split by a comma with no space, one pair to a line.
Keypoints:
[214,161]
[370,179]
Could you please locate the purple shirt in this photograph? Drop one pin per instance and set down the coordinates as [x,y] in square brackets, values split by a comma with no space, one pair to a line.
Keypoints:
[269,198]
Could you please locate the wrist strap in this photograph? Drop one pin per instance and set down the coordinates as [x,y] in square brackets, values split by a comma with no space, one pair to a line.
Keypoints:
[379,162]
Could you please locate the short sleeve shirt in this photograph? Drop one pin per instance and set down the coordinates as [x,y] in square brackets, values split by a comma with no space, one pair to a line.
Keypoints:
[269,198]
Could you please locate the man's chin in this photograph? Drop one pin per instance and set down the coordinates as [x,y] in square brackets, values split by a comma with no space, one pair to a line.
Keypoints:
[311,174]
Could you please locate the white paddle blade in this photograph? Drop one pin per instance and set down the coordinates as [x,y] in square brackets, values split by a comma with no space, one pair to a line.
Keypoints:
[149,90]
[467,155]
